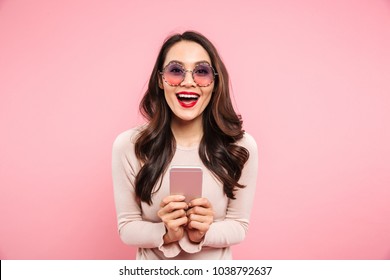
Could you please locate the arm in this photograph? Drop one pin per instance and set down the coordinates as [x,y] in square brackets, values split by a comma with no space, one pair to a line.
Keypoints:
[133,230]
[233,228]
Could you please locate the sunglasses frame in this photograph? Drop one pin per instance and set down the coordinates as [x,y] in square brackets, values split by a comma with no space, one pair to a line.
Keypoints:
[185,71]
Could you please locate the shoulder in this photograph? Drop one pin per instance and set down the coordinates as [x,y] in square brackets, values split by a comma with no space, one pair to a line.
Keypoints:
[127,138]
[248,142]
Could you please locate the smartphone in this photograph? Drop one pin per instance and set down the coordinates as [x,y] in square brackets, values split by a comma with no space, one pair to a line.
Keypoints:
[187,181]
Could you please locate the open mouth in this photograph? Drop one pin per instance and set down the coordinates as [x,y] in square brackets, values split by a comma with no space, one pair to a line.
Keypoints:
[187,99]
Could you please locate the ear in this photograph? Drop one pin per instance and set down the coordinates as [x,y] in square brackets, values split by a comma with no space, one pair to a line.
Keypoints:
[160,82]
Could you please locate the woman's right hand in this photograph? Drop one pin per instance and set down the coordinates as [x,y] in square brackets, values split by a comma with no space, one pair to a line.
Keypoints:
[173,214]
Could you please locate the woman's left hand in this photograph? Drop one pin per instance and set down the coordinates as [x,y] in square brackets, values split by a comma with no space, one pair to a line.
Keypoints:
[200,217]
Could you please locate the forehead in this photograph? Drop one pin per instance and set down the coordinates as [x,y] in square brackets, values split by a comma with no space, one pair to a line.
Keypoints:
[188,53]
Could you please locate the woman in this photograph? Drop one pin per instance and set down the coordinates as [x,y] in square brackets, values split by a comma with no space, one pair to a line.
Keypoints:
[190,121]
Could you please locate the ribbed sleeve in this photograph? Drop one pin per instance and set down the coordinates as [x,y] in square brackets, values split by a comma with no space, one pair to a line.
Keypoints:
[133,230]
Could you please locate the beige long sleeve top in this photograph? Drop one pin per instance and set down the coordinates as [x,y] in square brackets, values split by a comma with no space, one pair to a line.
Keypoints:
[139,225]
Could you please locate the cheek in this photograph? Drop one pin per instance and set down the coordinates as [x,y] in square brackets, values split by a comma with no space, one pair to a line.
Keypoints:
[209,95]
[170,96]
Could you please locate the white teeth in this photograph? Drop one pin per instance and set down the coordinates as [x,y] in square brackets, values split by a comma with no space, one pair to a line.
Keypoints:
[181,95]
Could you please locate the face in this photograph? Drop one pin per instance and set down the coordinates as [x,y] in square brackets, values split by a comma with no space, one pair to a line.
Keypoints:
[186,98]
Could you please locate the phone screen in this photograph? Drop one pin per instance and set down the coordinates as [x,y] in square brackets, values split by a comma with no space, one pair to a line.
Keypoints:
[187,181]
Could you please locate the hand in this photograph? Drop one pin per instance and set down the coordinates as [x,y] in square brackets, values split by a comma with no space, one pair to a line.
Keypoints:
[200,217]
[173,214]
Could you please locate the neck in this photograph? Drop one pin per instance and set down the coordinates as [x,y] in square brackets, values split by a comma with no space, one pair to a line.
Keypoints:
[187,133]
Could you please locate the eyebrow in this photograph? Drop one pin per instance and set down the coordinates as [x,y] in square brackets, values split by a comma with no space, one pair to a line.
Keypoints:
[181,63]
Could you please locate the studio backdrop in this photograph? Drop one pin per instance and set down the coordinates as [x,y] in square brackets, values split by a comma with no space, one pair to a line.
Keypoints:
[311,80]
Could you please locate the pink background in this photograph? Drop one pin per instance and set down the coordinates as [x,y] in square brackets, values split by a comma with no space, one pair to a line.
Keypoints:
[311,79]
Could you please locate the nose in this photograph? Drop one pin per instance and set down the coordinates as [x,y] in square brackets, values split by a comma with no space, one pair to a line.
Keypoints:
[188,79]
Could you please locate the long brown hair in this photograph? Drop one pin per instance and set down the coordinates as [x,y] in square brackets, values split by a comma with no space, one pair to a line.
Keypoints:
[222,128]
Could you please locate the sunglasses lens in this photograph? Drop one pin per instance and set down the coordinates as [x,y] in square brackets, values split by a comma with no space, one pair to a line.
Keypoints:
[203,74]
[174,74]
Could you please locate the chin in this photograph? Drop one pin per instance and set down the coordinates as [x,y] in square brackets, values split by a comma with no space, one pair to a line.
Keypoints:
[187,118]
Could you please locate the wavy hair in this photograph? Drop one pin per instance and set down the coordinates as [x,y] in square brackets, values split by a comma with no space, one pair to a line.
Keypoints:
[222,128]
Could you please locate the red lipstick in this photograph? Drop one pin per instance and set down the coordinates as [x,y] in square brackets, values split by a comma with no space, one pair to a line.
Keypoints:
[187,99]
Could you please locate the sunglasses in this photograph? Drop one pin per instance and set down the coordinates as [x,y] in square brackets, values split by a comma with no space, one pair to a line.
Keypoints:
[174,74]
